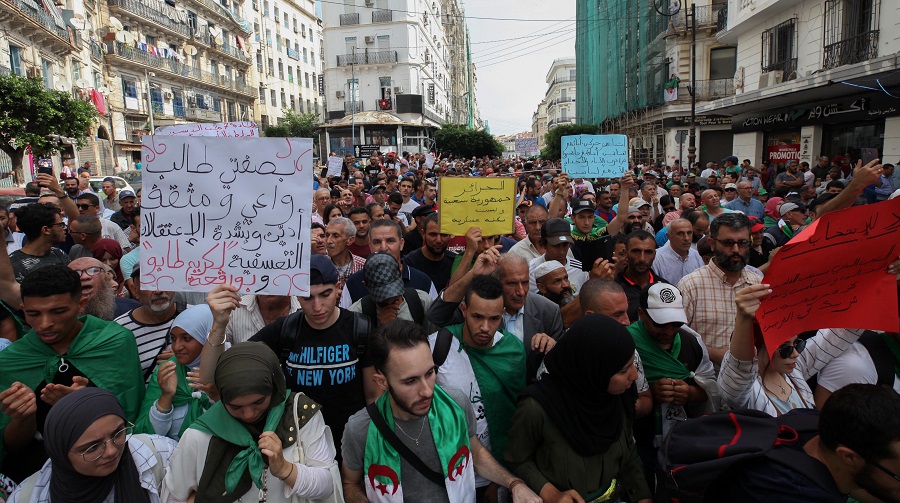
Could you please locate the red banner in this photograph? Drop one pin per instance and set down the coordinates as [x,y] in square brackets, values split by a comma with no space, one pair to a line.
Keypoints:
[783,153]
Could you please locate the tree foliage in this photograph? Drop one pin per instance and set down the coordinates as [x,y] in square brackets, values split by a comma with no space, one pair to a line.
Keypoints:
[294,125]
[461,141]
[30,114]
[553,138]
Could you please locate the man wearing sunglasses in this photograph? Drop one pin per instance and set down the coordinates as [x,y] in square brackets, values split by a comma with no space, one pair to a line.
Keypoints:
[89,204]
[677,367]
[44,229]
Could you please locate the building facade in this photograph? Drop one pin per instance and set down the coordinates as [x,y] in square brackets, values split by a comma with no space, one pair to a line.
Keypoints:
[539,124]
[288,58]
[397,67]
[560,96]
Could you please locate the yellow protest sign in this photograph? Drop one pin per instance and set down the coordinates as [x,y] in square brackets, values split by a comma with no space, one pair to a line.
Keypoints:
[483,202]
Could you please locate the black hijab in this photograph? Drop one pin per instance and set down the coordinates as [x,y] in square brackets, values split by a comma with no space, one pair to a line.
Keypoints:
[66,422]
[574,391]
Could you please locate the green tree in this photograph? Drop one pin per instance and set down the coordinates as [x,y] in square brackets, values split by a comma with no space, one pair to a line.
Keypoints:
[553,138]
[30,114]
[295,125]
[461,141]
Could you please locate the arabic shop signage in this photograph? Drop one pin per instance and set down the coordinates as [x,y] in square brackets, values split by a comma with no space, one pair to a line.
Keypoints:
[861,108]
[701,120]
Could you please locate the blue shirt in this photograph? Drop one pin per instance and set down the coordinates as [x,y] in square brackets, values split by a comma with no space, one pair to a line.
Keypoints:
[538,201]
[752,209]
[669,264]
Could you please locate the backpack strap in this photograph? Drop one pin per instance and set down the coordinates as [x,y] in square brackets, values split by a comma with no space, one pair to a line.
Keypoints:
[881,356]
[442,346]
[416,309]
[362,328]
[289,329]
[158,469]
[402,449]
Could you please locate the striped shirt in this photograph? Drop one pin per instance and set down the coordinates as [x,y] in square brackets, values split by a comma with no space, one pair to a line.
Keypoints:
[246,320]
[741,387]
[151,339]
[709,302]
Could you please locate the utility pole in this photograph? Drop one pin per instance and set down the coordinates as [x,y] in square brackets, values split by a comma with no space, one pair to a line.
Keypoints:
[471,115]
[692,132]
[353,84]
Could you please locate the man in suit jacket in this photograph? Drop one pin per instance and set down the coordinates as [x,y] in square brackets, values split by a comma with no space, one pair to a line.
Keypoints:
[534,319]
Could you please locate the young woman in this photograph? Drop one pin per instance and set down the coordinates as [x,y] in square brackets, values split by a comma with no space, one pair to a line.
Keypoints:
[109,252]
[571,437]
[750,380]
[173,402]
[244,448]
[332,211]
[93,456]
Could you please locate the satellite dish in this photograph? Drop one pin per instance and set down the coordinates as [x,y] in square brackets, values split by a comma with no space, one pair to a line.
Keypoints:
[128,36]
[190,50]
[77,22]
[215,31]
[120,36]
[82,83]
[103,90]
[114,24]
[64,85]
[219,39]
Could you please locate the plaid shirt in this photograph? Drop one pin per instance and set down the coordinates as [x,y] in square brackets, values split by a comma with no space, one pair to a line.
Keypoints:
[709,302]
[357,264]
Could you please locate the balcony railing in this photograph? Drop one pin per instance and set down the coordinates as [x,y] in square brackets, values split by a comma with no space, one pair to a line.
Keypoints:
[145,12]
[722,19]
[178,110]
[788,69]
[561,80]
[562,120]
[707,15]
[367,58]
[293,54]
[852,50]
[232,51]
[96,51]
[46,20]
[349,19]
[382,16]
[714,89]
[174,67]
[353,106]
[568,99]
[157,107]
[202,114]
[221,11]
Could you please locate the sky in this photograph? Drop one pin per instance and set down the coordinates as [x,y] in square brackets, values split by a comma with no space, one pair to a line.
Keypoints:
[511,74]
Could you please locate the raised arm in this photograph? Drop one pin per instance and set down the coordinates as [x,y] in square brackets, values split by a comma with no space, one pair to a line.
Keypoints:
[222,301]
[625,184]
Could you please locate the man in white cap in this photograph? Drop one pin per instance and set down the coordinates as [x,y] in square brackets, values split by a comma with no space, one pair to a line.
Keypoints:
[676,364]
[553,282]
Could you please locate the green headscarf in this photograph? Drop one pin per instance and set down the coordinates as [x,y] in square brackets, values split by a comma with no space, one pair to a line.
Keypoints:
[233,460]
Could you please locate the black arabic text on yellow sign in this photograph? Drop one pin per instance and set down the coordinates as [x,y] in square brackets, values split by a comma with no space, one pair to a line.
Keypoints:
[487,203]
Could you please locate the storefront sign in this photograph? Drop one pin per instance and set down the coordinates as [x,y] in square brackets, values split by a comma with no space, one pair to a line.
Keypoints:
[365,151]
[806,149]
[835,111]
[783,153]
[700,120]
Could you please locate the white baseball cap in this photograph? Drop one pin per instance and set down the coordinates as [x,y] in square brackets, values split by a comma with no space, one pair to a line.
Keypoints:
[664,304]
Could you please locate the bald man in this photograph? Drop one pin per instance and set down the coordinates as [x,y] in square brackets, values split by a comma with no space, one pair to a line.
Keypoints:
[98,291]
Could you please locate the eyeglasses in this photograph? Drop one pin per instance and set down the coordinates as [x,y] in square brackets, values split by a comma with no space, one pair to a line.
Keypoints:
[84,206]
[786,350]
[90,271]
[729,243]
[95,451]
[60,224]
[885,470]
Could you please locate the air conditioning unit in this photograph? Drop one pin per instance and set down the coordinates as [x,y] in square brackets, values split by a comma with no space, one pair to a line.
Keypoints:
[168,95]
[33,72]
[339,94]
[398,90]
[369,3]
[370,39]
[770,78]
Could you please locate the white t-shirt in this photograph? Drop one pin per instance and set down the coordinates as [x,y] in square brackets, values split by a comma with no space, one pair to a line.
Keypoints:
[854,365]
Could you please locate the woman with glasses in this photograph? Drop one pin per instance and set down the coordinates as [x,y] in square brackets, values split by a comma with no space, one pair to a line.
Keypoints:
[173,400]
[245,447]
[749,379]
[93,456]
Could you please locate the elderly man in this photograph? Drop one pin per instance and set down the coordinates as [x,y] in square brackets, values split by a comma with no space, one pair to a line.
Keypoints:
[531,247]
[150,322]
[746,203]
[676,259]
[712,204]
[793,219]
[124,218]
[553,283]
[709,291]
[686,202]
[556,238]
[321,199]
[97,290]
[339,234]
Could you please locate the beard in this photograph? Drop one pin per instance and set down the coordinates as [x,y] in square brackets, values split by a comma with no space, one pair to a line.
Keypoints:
[866,480]
[102,304]
[562,298]
[435,251]
[724,261]
[405,405]
[157,305]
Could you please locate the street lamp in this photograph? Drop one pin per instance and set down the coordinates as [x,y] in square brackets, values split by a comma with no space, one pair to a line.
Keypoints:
[147,76]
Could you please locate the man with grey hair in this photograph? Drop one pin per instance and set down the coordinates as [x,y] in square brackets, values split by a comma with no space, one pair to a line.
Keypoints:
[97,290]
[676,259]
[85,231]
[340,233]
[746,203]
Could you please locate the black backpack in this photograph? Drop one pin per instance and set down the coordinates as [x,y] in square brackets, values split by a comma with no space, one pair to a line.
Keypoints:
[697,452]
[881,356]
[361,331]
[410,295]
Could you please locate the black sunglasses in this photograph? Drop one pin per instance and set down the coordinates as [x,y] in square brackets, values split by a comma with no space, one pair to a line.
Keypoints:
[786,350]
[885,470]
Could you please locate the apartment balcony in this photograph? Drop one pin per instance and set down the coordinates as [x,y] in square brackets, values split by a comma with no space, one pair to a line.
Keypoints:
[563,120]
[557,101]
[382,16]
[349,19]
[202,114]
[293,54]
[222,13]
[707,90]
[130,56]
[146,13]
[36,24]
[852,50]
[232,52]
[353,107]
[561,80]
[367,58]
[722,19]
[707,16]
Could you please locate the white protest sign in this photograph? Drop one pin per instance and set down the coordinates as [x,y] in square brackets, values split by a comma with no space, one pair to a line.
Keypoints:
[335,165]
[594,155]
[219,211]
[429,160]
[222,129]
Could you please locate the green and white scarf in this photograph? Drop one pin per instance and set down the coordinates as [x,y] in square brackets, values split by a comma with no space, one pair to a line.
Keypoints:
[450,431]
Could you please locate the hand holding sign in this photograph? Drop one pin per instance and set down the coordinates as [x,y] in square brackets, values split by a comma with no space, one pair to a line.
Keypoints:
[483,202]
[832,275]
[594,156]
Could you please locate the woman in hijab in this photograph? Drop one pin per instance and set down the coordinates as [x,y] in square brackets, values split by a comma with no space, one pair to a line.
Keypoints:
[171,403]
[244,448]
[109,252]
[93,456]
[571,433]
[772,214]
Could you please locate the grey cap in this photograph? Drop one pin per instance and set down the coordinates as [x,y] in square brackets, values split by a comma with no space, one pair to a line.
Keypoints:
[383,278]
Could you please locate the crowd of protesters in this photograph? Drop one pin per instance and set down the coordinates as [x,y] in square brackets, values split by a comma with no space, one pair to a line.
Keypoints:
[548,364]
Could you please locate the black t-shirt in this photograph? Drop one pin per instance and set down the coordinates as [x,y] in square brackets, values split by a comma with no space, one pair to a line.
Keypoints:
[439,271]
[412,241]
[324,365]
